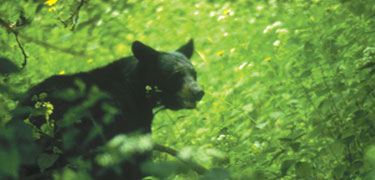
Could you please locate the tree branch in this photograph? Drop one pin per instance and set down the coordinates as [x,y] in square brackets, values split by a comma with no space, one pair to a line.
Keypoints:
[73,19]
[22,50]
[40,43]
[9,29]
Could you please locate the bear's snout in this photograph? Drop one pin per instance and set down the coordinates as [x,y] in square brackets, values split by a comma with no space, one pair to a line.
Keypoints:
[198,93]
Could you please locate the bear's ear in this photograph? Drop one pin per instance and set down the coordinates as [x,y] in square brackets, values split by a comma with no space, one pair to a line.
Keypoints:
[143,52]
[187,49]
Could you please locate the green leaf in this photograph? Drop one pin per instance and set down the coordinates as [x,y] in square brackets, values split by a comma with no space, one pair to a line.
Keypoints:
[46,160]
[304,170]
[9,162]
[338,171]
[286,165]
[338,149]
[295,146]
[306,73]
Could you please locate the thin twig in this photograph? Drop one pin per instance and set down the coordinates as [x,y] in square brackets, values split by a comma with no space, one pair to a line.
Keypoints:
[76,14]
[9,29]
[73,19]
[22,50]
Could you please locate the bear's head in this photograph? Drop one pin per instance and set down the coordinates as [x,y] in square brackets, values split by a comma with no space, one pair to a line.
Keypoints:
[171,74]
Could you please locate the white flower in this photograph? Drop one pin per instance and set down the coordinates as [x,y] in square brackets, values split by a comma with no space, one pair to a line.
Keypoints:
[221,18]
[242,65]
[281,31]
[252,21]
[269,27]
[212,13]
[159,9]
[277,23]
[221,137]
[115,13]
[276,43]
[260,7]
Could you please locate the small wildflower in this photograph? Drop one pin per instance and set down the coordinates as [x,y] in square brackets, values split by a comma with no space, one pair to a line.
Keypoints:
[256,145]
[277,23]
[221,137]
[108,9]
[232,50]
[50,2]
[276,43]
[268,28]
[90,61]
[220,53]
[52,9]
[159,9]
[260,7]
[221,18]
[226,11]
[100,22]
[267,59]
[252,21]
[212,13]
[62,72]
[225,34]
[115,13]
[281,31]
[242,65]
[196,13]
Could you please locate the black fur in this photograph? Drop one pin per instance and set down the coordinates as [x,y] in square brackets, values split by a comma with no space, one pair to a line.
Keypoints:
[124,83]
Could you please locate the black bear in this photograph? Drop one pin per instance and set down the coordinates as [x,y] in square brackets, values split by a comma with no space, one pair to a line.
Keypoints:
[132,86]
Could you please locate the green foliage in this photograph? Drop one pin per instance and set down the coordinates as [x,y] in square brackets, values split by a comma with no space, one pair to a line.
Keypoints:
[289,84]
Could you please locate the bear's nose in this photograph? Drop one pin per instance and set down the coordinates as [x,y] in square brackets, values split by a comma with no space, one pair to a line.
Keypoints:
[198,94]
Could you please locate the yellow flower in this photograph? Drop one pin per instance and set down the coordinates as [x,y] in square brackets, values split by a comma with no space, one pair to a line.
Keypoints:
[220,53]
[50,2]
[89,61]
[267,59]
[226,11]
[52,9]
[62,72]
